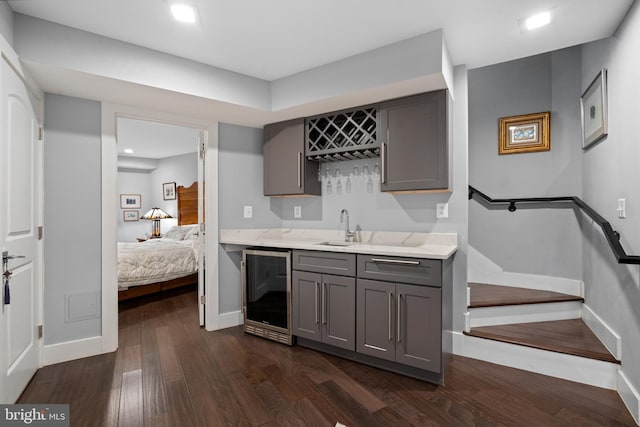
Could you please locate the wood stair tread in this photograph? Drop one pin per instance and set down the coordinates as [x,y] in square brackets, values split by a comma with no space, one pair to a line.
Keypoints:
[561,336]
[485,295]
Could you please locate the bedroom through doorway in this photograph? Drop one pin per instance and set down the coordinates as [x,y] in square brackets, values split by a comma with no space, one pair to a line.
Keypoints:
[158,232]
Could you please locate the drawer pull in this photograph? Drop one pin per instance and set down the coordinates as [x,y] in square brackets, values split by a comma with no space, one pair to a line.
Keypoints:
[395,261]
[389,317]
[317,291]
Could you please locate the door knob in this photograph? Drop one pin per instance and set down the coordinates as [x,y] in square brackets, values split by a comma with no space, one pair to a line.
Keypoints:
[6,274]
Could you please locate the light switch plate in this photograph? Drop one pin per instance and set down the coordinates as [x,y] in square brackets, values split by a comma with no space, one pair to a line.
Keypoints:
[442,210]
[297,211]
[248,211]
[622,208]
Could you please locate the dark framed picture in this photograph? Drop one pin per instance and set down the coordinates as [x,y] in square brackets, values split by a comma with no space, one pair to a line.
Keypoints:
[130,201]
[131,215]
[593,109]
[524,134]
[169,191]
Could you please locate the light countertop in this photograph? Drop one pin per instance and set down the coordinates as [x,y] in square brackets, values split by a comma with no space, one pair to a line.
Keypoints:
[414,245]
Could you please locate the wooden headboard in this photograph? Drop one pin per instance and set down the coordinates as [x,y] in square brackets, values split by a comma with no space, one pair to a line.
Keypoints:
[188,204]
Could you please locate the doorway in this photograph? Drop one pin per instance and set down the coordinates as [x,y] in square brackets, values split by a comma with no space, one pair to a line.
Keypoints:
[208,131]
[158,180]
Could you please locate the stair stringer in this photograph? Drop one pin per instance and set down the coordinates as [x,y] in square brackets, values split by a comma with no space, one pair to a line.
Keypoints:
[481,269]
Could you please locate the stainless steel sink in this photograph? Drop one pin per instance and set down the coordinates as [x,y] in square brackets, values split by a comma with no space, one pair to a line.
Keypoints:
[335,243]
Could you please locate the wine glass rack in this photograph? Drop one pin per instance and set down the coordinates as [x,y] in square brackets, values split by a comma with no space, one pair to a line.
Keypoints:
[346,135]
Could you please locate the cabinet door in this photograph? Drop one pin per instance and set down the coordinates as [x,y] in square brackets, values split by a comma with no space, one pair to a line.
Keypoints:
[376,318]
[286,170]
[338,311]
[414,152]
[419,327]
[305,304]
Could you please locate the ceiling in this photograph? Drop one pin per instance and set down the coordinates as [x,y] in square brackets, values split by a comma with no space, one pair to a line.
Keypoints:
[154,140]
[277,38]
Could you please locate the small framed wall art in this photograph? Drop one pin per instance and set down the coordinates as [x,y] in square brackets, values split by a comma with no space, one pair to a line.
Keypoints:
[524,134]
[593,108]
[169,191]
[131,215]
[130,201]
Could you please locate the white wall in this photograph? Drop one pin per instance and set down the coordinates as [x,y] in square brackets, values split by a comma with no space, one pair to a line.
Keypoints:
[72,219]
[183,170]
[6,22]
[610,171]
[537,241]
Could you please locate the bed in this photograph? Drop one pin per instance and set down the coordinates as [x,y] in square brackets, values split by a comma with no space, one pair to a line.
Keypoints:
[169,262]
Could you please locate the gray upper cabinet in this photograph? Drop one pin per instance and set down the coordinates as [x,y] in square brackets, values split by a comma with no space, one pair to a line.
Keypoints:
[286,169]
[414,148]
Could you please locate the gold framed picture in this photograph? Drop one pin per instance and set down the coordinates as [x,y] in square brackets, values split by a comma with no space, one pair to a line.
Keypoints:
[524,134]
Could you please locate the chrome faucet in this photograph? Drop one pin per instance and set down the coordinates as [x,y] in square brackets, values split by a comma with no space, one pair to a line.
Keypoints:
[348,234]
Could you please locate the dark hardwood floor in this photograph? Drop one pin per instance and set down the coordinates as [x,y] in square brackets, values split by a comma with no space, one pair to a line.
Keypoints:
[483,295]
[169,372]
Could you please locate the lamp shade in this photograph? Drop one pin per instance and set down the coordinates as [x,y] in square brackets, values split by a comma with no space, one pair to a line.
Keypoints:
[156,213]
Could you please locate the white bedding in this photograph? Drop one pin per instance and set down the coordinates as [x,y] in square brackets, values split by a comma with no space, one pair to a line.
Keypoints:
[155,260]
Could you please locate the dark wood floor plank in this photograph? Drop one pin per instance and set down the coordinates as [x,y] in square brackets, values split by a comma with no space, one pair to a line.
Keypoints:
[186,376]
[484,295]
[131,412]
[563,336]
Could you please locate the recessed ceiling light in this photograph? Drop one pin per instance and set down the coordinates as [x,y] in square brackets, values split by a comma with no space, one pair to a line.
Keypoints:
[537,21]
[128,151]
[183,12]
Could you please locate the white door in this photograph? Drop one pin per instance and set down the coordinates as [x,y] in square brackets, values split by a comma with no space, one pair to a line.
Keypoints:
[202,144]
[19,347]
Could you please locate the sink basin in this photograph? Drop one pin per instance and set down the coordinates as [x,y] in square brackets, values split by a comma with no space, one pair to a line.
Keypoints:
[335,243]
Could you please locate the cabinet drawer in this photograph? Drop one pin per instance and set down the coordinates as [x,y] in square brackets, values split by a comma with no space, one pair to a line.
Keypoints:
[400,270]
[325,262]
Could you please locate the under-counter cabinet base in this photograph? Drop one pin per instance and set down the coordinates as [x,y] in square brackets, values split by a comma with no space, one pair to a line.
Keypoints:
[377,320]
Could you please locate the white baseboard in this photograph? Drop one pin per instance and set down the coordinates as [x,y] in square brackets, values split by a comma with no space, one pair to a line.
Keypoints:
[230,319]
[629,395]
[609,338]
[482,270]
[71,350]
[524,313]
[568,367]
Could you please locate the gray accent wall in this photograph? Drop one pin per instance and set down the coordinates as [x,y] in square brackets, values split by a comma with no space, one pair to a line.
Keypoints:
[536,241]
[610,171]
[72,219]
[240,184]
[6,22]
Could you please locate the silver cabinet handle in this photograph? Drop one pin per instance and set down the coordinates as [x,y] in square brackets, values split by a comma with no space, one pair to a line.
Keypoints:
[389,317]
[382,161]
[324,303]
[395,261]
[299,169]
[399,318]
[317,291]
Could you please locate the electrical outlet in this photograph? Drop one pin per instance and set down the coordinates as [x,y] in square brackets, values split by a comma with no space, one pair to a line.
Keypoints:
[297,211]
[442,210]
[248,211]
[622,208]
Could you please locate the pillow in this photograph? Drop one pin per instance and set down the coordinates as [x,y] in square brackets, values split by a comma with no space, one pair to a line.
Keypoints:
[192,232]
[176,233]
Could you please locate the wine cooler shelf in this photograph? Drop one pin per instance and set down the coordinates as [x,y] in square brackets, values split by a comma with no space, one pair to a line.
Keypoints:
[346,135]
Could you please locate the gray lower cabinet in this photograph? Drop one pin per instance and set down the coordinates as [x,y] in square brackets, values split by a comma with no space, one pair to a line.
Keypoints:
[414,150]
[400,322]
[324,308]
[286,169]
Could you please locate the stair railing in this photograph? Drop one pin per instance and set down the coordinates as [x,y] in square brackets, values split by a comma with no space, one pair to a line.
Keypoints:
[613,237]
